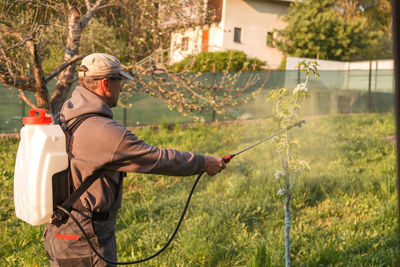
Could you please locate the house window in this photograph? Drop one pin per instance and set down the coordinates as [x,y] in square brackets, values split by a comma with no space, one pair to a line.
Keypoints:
[185,43]
[270,39]
[237,37]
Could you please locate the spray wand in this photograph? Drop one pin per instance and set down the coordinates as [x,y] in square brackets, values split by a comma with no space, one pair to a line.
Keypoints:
[226,159]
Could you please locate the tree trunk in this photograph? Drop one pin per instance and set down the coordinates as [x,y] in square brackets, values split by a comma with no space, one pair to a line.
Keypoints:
[42,98]
[288,184]
[287,228]
[66,77]
[41,92]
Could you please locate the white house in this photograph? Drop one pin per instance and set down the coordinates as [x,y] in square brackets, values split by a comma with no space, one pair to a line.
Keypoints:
[245,25]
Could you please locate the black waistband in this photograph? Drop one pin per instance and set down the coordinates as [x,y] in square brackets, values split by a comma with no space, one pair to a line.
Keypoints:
[98,216]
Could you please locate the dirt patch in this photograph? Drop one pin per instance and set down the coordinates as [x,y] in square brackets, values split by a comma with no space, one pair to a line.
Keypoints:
[9,135]
[391,139]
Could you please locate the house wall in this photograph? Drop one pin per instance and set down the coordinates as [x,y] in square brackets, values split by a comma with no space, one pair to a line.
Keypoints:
[216,35]
[255,18]
[194,45]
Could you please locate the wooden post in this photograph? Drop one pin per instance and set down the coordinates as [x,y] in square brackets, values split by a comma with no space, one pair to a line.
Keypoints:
[125,115]
[23,102]
[298,75]
[214,92]
[396,53]
[369,87]
[376,75]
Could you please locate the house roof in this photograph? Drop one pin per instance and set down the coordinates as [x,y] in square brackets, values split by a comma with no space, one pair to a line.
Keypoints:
[283,1]
[287,1]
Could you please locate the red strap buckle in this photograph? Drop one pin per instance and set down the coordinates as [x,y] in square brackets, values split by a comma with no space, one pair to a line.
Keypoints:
[71,237]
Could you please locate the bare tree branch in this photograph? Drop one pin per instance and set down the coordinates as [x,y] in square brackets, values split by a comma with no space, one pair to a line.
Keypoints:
[61,68]
[88,4]
[37,63]
[6,28]
[7,60]
[11,31]
[22,95]
[75,28]
[20,44]
[8,77]
[103,45]
[22,82]
[185,83]
[5,23]
[89,13]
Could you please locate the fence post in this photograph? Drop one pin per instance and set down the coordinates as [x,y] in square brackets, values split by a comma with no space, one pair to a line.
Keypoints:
[125,115]
[396,75]
[376,75]
[22,101]
[22,109]
[214,92]
[369,87]
[298,74]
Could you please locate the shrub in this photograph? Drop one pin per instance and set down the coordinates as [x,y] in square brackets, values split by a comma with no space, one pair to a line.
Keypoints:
[230,60]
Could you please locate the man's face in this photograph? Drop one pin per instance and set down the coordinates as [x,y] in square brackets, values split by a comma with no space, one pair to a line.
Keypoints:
[114,86]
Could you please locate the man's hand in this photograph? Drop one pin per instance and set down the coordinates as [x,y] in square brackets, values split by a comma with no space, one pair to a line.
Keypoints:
[213,165]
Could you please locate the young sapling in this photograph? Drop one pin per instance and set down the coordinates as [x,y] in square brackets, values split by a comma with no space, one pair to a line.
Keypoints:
[286,107]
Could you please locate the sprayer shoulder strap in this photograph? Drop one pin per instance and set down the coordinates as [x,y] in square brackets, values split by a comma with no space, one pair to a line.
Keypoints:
[73,124]
[69,202]
[70,128]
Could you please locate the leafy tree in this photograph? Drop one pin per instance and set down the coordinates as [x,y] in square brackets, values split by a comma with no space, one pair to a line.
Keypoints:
[379,16]
[229,60]
[319,29]
[378,12]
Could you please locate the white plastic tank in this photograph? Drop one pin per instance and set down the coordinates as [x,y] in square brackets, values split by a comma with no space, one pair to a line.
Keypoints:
[41,153]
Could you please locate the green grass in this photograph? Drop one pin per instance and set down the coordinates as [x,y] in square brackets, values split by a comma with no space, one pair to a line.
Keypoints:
[343,214]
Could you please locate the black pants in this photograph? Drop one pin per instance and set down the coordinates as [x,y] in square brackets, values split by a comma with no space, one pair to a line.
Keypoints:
[65,244]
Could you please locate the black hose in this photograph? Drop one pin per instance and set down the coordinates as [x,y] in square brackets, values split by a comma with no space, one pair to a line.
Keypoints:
[145,259]
[226,159]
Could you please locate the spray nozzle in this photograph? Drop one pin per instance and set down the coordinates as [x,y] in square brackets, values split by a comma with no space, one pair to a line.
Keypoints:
[228,158]
[299,123]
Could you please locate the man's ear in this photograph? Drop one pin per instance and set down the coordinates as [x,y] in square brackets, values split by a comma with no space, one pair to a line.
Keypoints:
[104,86]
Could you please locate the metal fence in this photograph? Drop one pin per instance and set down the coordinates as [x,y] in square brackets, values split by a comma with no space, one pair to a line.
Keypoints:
[334,92]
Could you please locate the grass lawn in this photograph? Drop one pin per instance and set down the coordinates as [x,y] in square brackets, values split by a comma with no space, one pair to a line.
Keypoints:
[343,214]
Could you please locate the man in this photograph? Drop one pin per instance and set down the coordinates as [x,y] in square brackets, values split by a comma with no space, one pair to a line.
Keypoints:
[100,143]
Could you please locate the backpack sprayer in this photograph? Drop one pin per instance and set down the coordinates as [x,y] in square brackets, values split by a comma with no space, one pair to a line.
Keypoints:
[42,144]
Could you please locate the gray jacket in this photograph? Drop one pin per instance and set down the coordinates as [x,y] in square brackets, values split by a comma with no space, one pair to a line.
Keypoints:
[102,143]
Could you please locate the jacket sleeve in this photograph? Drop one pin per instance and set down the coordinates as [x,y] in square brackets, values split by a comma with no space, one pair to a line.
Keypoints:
[135,155]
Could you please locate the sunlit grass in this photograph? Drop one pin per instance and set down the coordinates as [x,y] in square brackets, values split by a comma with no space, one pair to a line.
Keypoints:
[344,213]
